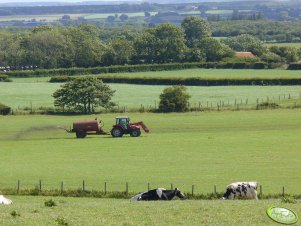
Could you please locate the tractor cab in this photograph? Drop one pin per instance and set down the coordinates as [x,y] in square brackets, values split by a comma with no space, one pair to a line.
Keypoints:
[123,121]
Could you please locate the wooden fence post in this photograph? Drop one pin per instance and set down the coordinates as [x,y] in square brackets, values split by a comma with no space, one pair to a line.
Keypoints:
[18,186]
[148,186]
[214,189]
[283,191]
[171,186]
[192,190]
[260,190]
[40,185]
[62,186]
[83,185]
[127,188]
[105,188]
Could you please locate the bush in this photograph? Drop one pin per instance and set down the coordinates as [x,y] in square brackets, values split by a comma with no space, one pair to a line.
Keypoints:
[4,78]
[14,213]
[4,110]
[50,203]
[294,66]
[174,99]
[267,105]
[288,199]
[61,221]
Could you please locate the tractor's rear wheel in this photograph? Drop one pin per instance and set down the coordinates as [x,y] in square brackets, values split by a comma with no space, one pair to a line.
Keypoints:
[135,133]
[116,132]
[81,134]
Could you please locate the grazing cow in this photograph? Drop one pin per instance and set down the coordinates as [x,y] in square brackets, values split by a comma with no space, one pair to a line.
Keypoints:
[158,194]
[5,201]
[246,190]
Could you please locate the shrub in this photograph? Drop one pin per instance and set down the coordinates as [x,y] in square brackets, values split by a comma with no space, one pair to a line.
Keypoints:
[4,110]
[50,203]
[14,213]
[174,99]
[4,78]
[61,221]
[294,66]
[288,199]
[267,105]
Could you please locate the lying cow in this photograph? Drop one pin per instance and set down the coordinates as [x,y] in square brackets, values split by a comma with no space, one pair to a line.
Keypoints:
[5,201]
[158,194]
[246,190]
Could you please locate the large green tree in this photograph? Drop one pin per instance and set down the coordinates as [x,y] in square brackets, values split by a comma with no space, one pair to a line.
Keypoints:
[83,95]
[195,28]
[246,43]
[162,44]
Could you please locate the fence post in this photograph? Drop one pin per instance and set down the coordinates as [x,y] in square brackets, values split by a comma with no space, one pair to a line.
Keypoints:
[62,186]
[18,186]
[283,191]
[192,190]
[214,189]
[105,188]
[148,186]
[83,185]
[260,190]
[171,186]
[40,185]
[127,188]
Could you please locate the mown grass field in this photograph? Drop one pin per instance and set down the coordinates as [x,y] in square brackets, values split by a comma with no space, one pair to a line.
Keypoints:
[36,92]
[49,17]
[88,211]
[296,45]
[201,149]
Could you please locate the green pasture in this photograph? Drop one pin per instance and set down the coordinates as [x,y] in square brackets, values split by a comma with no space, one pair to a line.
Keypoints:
[48,17]
[88,211]
[296,45]
[36,92]
[202,149]
[217,11]
[105,15]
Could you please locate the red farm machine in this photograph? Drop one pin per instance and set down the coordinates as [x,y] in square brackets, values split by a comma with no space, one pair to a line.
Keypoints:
[94,127]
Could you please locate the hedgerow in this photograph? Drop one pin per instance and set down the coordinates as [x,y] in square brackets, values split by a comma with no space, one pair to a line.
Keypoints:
[135,68]
[187,81]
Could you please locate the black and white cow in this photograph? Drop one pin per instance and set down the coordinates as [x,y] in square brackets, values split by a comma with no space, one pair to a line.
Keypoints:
[158,194]
[246,190]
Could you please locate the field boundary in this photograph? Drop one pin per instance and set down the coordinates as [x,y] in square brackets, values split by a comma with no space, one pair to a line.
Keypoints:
[188,81]
[126,194]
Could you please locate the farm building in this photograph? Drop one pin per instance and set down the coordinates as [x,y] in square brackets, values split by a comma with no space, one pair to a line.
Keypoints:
[244,54]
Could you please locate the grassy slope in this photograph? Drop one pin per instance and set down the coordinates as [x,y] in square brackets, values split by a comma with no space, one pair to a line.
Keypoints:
[84,211]
[203,149]
[36,91]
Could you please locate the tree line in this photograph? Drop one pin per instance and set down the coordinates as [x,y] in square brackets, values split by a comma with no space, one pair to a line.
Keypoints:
[88,46]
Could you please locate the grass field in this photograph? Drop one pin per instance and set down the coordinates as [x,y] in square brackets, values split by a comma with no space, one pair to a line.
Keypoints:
[297,45]
[87,211]
[201,149]
[50,17]
[36,92]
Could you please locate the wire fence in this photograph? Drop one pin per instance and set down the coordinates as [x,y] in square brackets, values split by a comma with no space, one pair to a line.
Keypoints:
[131,188]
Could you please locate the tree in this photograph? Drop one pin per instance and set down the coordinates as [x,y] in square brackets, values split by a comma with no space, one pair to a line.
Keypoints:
[123,17]
[162,44]
[83,95]
[174,99]
[120,51]
[214,50]
[195,28]
[247,43]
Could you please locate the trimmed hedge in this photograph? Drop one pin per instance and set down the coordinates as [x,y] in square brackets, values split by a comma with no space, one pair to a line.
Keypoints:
[134,68]
[294,66]
[186,81]
[4,110]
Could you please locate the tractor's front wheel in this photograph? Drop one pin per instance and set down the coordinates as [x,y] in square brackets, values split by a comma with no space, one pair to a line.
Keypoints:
[135,133]
[116,132]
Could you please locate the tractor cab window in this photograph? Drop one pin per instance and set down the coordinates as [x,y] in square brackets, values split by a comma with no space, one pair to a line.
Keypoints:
[124,122]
